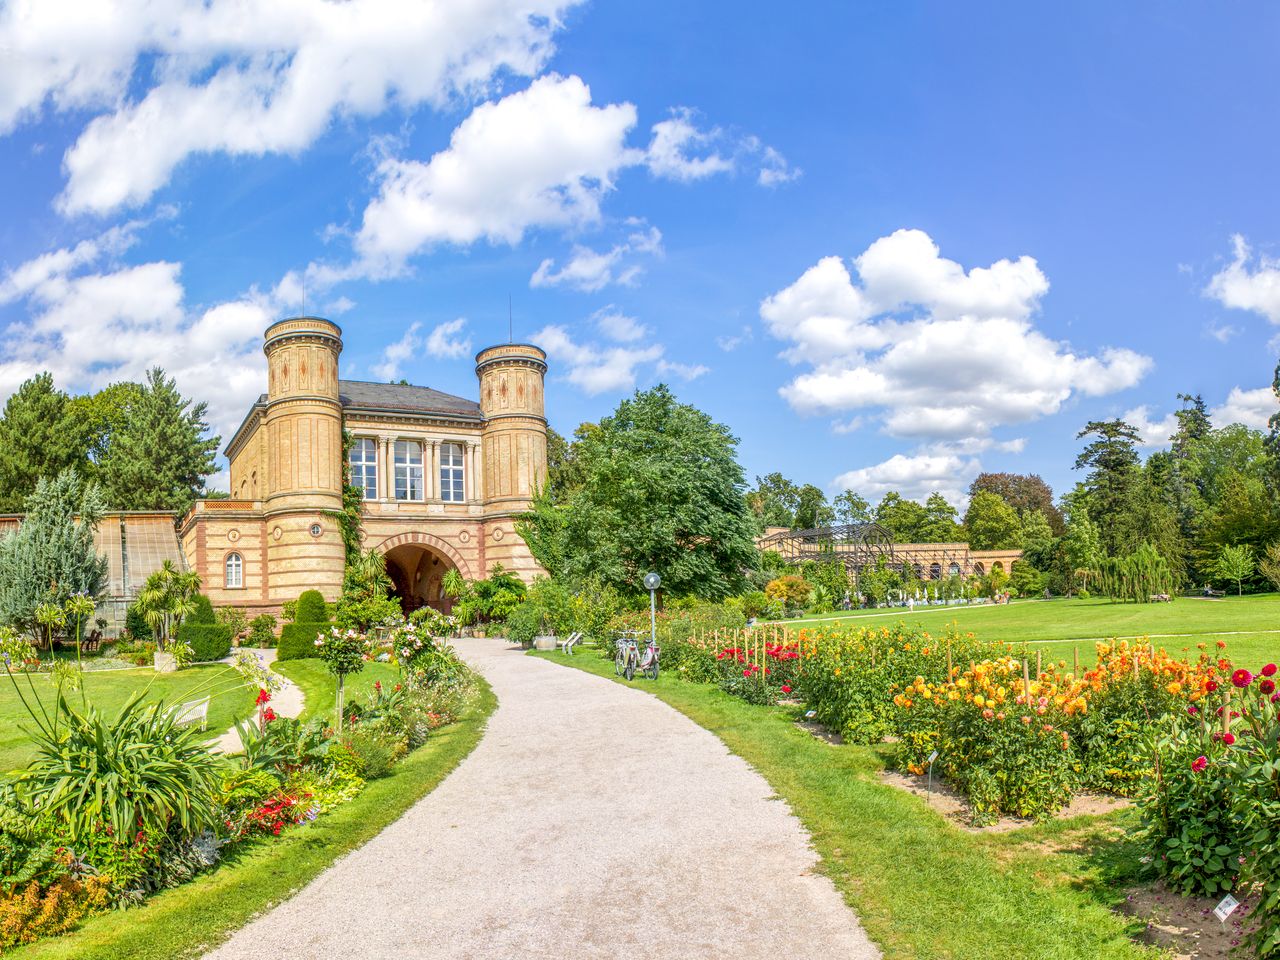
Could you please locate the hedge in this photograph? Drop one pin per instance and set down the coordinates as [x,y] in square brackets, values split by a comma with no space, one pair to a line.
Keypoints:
[208,639]
[298,639]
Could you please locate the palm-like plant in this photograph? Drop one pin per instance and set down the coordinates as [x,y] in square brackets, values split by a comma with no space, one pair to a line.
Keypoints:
[51,617]
[166,598]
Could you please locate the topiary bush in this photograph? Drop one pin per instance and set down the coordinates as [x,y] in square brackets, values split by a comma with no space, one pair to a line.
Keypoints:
[311,618]
[262,631]
[201,631]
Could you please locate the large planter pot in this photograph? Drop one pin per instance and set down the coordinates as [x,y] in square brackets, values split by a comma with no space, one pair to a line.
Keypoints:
[165,662]
[544,642]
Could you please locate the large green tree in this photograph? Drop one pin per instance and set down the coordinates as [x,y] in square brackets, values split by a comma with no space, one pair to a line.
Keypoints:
[1024,492]
[991,523]
[40,436]
[812,509]
[850,508]
[662,490]
[1111,459]
[774,501]
[158,456]
[51,556]
[940,524]
[903,518]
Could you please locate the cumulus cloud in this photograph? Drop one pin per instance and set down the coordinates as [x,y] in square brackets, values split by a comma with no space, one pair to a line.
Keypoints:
[91,321]
[732,342]
[1152,433]
[1248,283]
[589,270]
[168,80]
[685,371]
[445,343]
[395,354]
[915,477]
[681,151]
[938,351]
[591,367]
[616,325]
[1253,408]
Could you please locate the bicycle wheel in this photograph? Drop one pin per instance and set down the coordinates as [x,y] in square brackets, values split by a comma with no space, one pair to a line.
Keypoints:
[651,671]
[619,659]
[630,670]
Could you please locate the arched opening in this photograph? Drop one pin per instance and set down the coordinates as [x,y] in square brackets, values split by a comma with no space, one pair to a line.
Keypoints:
[997,565]
[417,575]
[935,571]
[979,569]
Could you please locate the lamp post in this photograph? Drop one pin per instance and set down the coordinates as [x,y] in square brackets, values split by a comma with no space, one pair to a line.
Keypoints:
[651,583]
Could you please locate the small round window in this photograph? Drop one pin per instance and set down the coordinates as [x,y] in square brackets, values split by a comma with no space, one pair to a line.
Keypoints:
[316,530]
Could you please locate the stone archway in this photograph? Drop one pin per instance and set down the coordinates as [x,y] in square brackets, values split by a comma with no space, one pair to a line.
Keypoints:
[416,564]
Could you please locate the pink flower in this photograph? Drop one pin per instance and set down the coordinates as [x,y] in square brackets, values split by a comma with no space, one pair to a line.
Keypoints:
[1199,764]
[1242,678]
[1229,738]
[1193,709]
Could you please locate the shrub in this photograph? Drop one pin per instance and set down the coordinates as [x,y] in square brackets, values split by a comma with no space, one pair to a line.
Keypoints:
[793,591]
[201,631]
[311,618]
[35,911]
[135,624]
[526,622]
[235,618]
[262,631]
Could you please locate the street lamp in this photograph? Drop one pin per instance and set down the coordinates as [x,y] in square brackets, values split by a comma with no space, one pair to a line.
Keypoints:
[651,583]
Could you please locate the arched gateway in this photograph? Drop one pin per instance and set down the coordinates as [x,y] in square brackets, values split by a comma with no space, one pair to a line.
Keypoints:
[417,563]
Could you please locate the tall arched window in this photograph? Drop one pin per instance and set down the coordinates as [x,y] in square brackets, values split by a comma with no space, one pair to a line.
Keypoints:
[451,472]
[234,571]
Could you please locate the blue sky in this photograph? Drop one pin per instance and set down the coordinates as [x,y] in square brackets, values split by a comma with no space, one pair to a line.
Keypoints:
[890,245]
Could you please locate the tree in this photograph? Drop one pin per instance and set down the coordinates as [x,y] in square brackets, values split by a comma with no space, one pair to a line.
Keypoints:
[812,509]
[51,557]
[1112,461]
[774,501]
[166,599]
[903,518]
[158,457]
[564,472]
[1236,563]
[1139,577]
[39,437]
[1038,543]
[850,508]
[939,524]
[992,523]
[662,491]
[1026,580]
[1082,545]
[1269,565]
[1024,492]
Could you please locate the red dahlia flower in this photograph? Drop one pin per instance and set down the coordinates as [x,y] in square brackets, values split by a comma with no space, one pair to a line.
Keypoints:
[1199,764]
[1267,687]
[1229,739]
[1211,685]
[785,688]
[1269,670]
[1242,678]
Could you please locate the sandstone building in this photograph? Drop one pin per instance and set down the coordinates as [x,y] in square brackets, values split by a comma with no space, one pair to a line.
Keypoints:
[443,477]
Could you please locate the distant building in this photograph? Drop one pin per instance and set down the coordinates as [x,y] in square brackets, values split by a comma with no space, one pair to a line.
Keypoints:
[443,477]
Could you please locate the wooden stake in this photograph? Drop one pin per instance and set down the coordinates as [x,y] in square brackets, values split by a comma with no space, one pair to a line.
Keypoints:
[1075,656]
[949,669]
[1026,681]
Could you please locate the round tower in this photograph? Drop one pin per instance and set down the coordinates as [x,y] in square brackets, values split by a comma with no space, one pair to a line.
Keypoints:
[303,424]
[514,444]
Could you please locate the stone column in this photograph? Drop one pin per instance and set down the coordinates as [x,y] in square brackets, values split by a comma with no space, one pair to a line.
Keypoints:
[477,460]
[385,487]
[431,467]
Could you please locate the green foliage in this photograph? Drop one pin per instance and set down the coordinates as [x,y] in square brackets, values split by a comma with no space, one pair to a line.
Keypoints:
[135,623]
[311,608]
[661,491]
[793,591]
[1026,493]
[904,519]
[774,502]
[137,771]
[992,523]
[201,631]
[157,457]
[233,618]
[850,508]
[484,600]
[526,621]
[1236,563]
[1026,580]
[40,437]
[311,618]
[1137,577]
[51,556]
[1113,464]
[167,597]
[262,631]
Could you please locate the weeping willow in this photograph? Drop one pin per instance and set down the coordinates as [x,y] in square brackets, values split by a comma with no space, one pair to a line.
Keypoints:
[1137,577]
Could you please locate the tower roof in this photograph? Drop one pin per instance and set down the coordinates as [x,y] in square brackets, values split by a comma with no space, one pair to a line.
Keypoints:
[406,398]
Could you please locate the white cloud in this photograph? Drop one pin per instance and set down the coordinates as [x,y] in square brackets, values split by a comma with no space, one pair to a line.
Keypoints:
[589,270]
[543,157]
[1222,332]
[444,342]
[618,326]
[685,371]
[774,169]
[170,79]
[680,151]
[1153,433]
[1253,408]
[91,321]
[395,354]
[592,368]
[940,352]
[730,343]
[915,477]
[1246,284]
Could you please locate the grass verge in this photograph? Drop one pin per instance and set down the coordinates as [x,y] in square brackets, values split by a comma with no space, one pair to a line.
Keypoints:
[189,920]
[922,887]
[320,689]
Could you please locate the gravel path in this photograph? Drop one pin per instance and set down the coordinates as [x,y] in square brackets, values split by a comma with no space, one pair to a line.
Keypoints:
[563,835]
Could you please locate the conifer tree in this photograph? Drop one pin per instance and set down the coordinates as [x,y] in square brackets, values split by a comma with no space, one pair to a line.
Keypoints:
[39,437]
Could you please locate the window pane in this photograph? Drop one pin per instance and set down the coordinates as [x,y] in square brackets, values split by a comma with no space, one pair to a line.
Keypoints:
[408,470]
[364,467]
[235,571]
[451,489]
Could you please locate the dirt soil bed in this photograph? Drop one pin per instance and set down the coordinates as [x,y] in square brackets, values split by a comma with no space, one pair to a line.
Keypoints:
[957,809]
[1186,925]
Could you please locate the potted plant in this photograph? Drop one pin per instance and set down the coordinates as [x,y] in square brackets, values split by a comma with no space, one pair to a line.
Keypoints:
[546,637]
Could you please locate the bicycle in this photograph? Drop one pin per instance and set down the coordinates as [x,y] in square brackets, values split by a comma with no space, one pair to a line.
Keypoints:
[628,658]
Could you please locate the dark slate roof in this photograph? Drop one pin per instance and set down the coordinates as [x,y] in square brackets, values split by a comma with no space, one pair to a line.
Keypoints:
[362,395]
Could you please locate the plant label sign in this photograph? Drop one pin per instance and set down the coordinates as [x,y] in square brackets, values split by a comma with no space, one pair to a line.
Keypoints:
[1226,907]
[932,757]
[811,714]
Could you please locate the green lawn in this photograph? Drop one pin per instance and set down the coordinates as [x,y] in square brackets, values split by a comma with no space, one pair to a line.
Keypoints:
[109,690]
[320,689]
[1250,626]
[192,919]
[924,888]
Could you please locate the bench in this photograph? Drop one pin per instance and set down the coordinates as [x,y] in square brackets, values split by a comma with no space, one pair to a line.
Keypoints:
[569,642]
[1160,598]
[191,711]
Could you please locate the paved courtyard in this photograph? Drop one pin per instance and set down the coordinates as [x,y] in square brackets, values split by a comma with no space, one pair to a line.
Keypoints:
[592,820]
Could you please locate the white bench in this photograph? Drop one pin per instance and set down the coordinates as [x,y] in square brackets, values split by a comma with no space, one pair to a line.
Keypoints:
[192,711]
[569,642]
